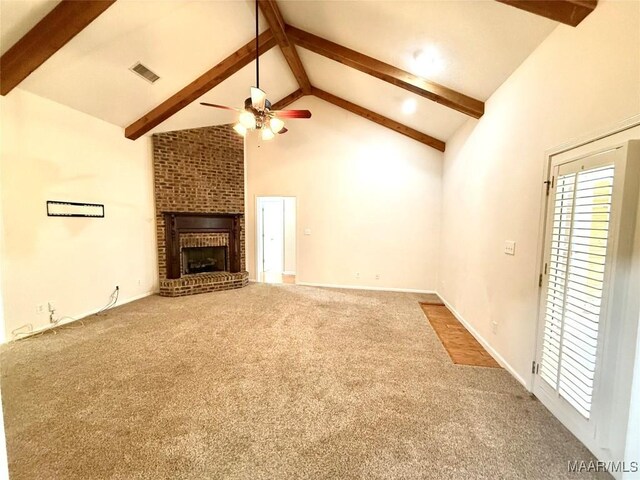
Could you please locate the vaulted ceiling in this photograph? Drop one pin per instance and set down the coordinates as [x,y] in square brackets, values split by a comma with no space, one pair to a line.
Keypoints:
[480,44]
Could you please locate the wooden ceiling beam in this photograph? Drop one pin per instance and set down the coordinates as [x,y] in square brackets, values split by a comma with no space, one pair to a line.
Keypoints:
[379,119]
[272,13]
[288,100]
[49,35]
[396,76]
[569,12]
[223,70]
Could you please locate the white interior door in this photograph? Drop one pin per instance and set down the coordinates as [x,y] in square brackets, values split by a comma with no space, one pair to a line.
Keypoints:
[578,247]
[272,215]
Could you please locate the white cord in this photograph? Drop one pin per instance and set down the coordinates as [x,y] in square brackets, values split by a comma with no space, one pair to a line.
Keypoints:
[112,302]
[113,299]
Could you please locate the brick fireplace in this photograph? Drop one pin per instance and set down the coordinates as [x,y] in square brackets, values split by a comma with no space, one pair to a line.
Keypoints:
[199,193]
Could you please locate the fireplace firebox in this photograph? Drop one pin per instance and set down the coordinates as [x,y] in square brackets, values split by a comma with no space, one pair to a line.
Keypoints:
[204,259]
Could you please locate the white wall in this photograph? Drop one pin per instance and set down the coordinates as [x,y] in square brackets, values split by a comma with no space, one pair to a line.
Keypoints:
[579,80]
[51,152]
[370,196]
[289,235]
[2,263]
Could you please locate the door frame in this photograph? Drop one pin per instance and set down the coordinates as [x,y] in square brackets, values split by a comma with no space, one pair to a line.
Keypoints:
[258,231]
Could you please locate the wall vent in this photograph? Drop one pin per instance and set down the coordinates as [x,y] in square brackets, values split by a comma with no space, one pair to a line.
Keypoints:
[144,72]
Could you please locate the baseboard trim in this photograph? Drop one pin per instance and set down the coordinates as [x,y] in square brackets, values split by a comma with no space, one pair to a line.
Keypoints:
[358,287]
[81,316]
[487,346]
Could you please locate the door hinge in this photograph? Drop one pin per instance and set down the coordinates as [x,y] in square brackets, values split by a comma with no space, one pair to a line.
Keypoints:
[535,367]
[540,281]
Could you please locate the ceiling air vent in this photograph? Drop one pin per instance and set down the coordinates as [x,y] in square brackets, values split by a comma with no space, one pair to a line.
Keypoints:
[144,72]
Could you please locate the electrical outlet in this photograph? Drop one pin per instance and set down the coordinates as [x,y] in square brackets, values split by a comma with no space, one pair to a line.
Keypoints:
[307,231]
[510,247]
[377,276]
[139,282]
[357,274]
[40,309]
[52,312]
[494,327]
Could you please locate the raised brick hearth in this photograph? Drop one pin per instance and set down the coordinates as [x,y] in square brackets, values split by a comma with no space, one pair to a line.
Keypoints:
[202,283]
[199,176]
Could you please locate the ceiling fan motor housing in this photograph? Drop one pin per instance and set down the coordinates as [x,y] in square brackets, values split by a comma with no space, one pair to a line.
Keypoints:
[249,106]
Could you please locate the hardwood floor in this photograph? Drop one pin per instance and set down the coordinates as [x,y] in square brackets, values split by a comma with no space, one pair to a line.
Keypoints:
[461,346]
[269,277]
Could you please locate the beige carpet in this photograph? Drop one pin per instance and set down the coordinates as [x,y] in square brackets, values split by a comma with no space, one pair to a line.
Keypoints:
[269,382]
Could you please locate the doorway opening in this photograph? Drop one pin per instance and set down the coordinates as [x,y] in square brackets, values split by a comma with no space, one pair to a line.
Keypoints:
[276,239]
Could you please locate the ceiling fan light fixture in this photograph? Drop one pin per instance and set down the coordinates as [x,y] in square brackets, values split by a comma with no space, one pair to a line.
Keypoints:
[276,125]
[267,134]
[247,119]
[241,129]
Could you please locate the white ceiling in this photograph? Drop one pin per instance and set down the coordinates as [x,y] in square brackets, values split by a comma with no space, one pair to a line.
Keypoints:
[481,43]
[18,16]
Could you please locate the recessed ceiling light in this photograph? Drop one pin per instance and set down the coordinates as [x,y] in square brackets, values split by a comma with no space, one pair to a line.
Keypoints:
[428,61]
[409,106]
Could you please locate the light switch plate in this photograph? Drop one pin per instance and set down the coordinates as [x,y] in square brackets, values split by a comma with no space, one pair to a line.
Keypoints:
[307,231]
[510,247]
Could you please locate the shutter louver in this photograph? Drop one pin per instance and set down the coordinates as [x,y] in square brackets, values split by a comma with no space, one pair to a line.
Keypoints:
[579,236]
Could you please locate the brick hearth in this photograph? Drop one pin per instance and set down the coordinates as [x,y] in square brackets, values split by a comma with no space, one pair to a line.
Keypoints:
[202,283]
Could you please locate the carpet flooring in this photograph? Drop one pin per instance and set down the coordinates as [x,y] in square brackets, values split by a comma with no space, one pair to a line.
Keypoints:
[269,382]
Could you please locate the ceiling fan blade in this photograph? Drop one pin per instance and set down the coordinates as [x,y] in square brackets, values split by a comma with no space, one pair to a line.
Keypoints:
[292,113]
[284,130]
[258,98]
[219,106]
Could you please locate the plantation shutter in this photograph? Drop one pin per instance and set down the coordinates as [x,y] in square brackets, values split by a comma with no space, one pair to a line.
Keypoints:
[580,232]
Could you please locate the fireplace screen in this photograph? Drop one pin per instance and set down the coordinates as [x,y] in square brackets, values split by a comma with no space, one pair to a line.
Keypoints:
[204,259]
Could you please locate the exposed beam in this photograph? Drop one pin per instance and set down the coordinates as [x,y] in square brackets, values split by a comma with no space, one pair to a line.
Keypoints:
[570,12]
[200,86]
[274,18]
[288,100]
[386,72]
[49,35]
[379,119]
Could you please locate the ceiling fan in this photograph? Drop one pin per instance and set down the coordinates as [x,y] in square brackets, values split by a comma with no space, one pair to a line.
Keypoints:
[257,113]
